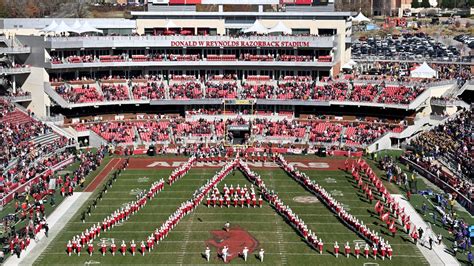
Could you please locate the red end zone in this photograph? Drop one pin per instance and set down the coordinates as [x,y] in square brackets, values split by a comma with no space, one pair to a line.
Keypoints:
[235,239]
[303,163]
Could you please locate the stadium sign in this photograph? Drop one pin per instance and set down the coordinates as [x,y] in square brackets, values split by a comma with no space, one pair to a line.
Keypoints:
[242,43]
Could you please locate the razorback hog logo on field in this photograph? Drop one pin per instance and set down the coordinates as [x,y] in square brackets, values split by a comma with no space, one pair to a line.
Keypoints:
[235,239]
[315,165]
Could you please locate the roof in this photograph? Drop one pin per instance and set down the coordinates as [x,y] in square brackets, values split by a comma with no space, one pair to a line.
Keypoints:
[41,23]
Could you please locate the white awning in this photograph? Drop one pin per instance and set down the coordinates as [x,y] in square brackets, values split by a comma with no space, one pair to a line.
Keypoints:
[424,71]
[170,25]
[257,27]
[360,18]
[86,27]
[76,25]
[63,27]
[280,27]
[50,27]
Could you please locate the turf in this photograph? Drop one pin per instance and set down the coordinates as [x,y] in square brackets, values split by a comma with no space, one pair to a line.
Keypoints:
[186,242]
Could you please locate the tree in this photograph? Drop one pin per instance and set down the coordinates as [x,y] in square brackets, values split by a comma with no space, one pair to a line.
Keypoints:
[447,4]
[32,10]
[425,3]
[415,4]
[3,9]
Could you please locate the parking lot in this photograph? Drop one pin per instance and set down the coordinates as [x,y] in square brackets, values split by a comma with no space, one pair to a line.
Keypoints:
[416,47]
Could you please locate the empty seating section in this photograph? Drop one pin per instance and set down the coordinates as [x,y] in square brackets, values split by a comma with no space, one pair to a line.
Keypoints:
[367,133]
[111,58]
[85,93]
[230,57]
[115,132]
[152,131]
[325,58]
[351,133]
[363,93]
[399,94]
[324,132]
[283,128]
[188,57]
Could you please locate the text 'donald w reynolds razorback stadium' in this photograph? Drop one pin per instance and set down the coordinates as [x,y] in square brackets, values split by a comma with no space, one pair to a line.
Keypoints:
[252,132]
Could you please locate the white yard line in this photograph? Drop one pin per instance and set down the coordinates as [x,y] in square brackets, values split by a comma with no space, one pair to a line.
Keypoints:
[56,221]
[185,241]
[436,256]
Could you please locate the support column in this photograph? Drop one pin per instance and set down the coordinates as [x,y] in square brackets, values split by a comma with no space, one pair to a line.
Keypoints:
[14,83]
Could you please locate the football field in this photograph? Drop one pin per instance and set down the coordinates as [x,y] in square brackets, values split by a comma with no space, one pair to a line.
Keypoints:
[186,243]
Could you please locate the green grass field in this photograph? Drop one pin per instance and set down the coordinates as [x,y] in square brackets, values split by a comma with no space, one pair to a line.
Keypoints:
[186,242]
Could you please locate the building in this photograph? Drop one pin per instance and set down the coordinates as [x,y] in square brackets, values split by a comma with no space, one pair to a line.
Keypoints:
[314,44]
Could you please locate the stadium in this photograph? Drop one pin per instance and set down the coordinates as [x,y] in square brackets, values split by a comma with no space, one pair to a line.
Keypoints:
[212,132]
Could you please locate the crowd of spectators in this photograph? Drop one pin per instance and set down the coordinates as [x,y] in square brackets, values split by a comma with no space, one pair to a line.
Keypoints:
[186,90]
[223,89]
[255,87]
[30,206]
[452,143]
[152,89]
[84,93]
[115,92]
[74,59]
[176,129]
[17,131]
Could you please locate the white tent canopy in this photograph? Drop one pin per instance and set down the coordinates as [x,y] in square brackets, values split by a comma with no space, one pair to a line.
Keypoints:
[170,25]
[424,71]
[76,25]
[360,18]
[257,27]
[280,27]
[51,27]
[63,27]
[86,27]
[349,65]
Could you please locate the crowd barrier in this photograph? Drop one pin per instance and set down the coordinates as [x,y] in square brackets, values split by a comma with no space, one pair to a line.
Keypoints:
[462,199]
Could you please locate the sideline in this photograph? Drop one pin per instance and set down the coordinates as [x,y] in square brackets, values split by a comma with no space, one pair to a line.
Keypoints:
[56,221]
[436,256]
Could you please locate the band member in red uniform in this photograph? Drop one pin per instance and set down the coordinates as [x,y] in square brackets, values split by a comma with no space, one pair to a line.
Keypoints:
[143,248]
[91,248]
[366,251]
[389,252]
[133,247]
[320,246]
[382,252]
[123,248]
[357,250]
[69,248]
[78,248]
[113,247]
[347,249]
[374,251]
[336,249]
